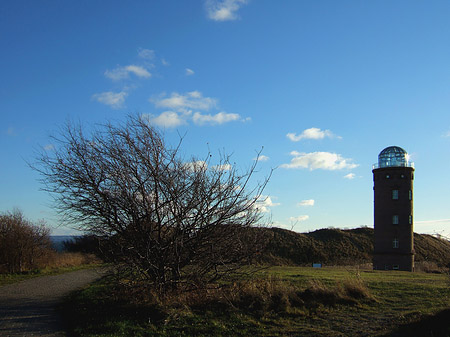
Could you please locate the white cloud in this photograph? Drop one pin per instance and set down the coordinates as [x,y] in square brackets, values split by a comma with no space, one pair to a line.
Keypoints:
[299,218]
[196,166]
[114,99]
[165,62]
[189,72]
[138,71]
[167,119]
[311,133]
[223,167]
[309,202]
[219,118]
[261,158]
[223,10]
[49,147]
[264,202]
[350,176]
[146,54]
[319,160]
[121,73]
[446,134]
[184,104]
[190,100]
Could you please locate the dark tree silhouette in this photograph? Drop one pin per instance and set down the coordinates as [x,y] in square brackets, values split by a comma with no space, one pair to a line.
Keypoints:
[173,222]
[23,244]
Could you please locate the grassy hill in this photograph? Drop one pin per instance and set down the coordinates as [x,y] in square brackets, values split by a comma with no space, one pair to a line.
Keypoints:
[342,247]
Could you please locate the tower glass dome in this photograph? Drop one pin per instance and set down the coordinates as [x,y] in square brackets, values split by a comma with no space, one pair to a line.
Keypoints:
[393,156]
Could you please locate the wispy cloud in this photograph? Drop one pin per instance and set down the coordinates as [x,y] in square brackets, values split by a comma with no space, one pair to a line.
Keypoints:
[350,176]
[115,100]
[219,118]
[222,167]
[146,54]
[189,72]
[196,166]
[223,10]
[319,160]
[446,134]
[311,133]
[190,100]
[121,73]
[261,158]
[308,202]
[49,147]
[299,218]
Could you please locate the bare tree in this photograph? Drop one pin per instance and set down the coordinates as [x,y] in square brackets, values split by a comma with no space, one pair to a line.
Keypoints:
[23,245]
[174,222]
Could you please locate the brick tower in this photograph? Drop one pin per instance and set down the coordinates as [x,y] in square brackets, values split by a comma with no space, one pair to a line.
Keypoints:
[393,178]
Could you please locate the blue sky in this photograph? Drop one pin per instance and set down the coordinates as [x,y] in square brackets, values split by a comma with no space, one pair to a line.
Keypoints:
[323,86]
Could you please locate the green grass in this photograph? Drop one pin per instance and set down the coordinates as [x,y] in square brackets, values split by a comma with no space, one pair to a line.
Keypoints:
[399,301]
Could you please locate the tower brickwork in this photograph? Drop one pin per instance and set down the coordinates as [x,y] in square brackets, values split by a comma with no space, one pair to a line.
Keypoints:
[393,178]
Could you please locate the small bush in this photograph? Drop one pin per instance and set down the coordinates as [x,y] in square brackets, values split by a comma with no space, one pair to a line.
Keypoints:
[24,245]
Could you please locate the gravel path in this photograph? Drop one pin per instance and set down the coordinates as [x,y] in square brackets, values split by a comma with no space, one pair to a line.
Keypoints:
[28,308]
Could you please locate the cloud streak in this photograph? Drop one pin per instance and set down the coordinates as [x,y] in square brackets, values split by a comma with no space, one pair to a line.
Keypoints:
[180,102]
[261,158]
[121,73]
[223,10]
[309,202]
[219,118]
[299,218]
[319,160]
[115,100]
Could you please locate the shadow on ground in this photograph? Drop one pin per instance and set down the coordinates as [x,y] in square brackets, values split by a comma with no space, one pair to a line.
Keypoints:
[428,326]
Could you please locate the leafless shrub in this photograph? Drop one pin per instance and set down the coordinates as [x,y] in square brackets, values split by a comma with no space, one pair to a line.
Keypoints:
[169,222]
[23,245]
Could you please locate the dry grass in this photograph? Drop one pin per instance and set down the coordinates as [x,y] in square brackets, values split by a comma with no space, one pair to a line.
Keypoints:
[55,260]
[430,267]
[257,297]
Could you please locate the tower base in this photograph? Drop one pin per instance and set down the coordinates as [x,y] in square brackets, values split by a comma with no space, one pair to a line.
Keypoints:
[403,262]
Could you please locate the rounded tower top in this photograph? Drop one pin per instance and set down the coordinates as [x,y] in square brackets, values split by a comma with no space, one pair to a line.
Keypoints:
[393,156]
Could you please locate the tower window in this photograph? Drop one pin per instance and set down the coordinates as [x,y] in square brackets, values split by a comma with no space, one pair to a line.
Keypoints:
[395,219]
[387,176]
[395,243]
[395,194]
[410,195]
[410,220]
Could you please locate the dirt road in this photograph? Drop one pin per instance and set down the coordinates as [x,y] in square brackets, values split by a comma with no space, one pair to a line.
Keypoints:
[28,308]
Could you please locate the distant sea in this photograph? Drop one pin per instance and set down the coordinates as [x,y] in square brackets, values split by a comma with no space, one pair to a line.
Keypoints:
[58,241]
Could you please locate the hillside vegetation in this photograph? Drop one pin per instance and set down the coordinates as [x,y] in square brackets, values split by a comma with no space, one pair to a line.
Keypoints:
[342,247]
